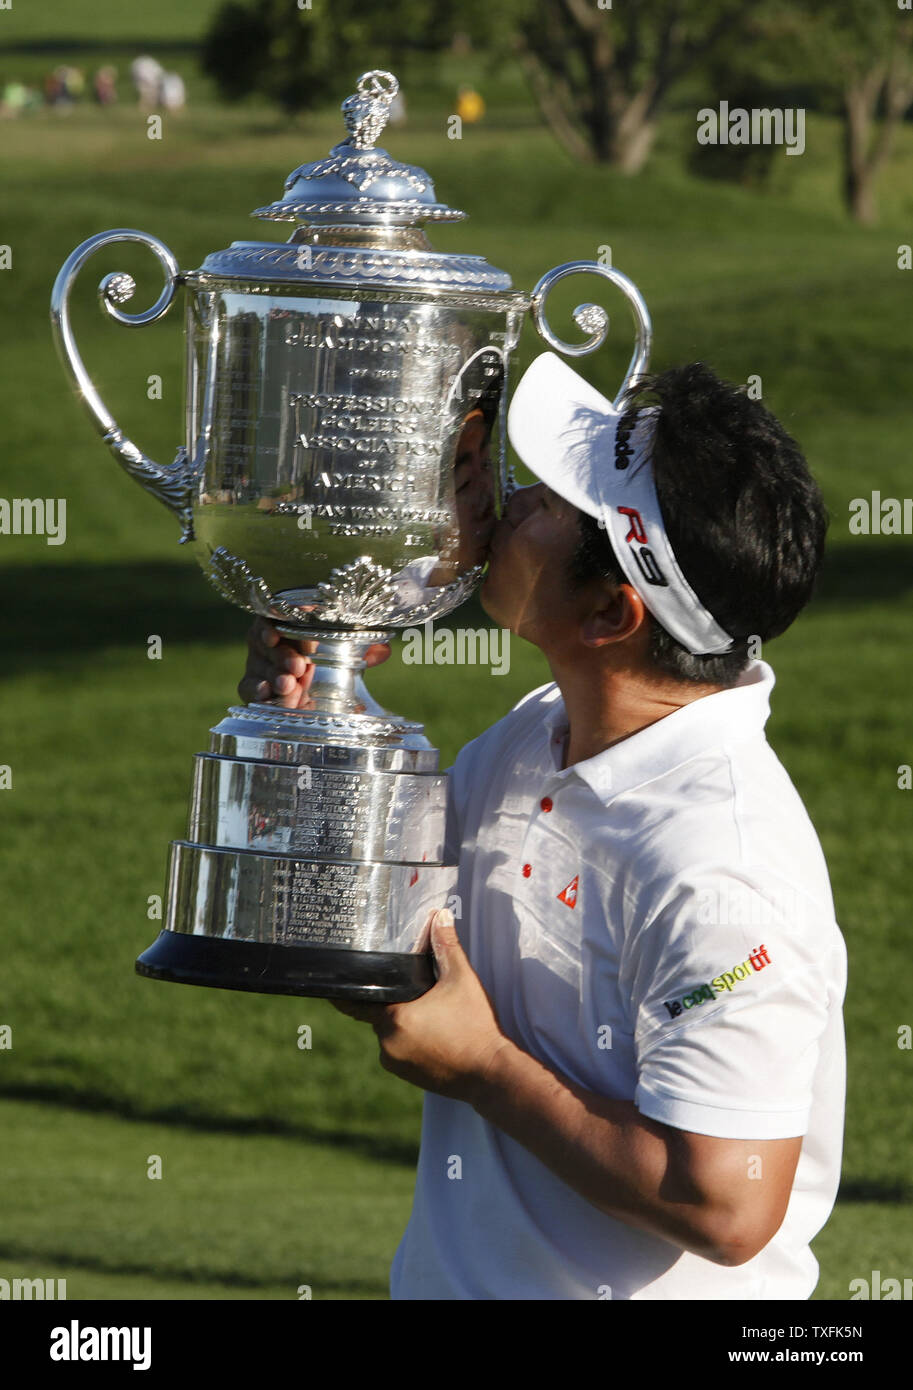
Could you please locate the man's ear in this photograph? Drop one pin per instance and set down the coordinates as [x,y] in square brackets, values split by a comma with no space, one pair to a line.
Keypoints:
[616,615]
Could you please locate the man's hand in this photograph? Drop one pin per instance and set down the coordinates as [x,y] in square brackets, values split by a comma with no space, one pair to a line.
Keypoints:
[278,669]
[446,1040]
[689,1189]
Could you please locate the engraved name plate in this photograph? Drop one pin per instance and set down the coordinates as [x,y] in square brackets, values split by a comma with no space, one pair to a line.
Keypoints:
[345,814]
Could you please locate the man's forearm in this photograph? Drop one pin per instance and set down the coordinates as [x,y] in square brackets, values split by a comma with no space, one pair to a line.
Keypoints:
[688,1189]
[628,1166]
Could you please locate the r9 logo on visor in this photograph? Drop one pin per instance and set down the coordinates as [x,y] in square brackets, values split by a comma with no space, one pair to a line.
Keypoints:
[637,539]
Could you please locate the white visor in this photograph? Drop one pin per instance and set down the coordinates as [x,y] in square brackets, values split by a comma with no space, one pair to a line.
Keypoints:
[568,435]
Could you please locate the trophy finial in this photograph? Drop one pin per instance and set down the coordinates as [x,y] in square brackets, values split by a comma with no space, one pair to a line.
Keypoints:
[358,183]
[366,112]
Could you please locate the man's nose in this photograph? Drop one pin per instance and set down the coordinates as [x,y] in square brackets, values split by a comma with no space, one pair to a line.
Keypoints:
[520,503]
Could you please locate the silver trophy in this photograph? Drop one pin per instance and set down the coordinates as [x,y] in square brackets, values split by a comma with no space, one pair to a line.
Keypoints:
[345,399]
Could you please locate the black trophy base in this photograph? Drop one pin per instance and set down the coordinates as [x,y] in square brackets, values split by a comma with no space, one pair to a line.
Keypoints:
[368,977]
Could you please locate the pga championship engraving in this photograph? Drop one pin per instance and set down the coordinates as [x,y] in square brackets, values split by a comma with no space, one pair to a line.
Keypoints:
[342,470]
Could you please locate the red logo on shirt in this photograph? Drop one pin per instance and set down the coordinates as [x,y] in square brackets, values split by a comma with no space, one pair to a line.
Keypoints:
[568,895]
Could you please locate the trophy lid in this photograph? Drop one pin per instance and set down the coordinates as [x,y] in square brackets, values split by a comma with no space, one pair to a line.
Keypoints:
[359,216]
[357,183]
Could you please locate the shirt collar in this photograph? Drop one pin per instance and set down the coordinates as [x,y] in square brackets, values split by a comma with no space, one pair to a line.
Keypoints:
[740,712]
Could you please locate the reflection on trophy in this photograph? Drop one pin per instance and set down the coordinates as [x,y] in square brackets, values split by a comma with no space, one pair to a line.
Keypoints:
[345,405]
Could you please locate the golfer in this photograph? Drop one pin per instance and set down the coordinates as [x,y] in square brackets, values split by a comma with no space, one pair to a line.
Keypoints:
[633,1056]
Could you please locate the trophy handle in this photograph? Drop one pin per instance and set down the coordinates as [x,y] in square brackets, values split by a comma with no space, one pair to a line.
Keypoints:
[172,486]
[595,321]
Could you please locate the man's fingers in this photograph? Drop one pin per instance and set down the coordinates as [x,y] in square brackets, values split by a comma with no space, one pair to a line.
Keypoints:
[377,653]
[264,641]
[252,690]
[275,668]
[261,636]
[261,681]
[284,659]
[268,635]
[280,667]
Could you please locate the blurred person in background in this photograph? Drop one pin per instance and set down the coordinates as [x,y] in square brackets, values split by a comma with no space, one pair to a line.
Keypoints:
[172,93]
[146,76]
[104,86]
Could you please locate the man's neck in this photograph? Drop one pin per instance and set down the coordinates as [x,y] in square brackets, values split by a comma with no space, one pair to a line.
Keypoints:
[603,707]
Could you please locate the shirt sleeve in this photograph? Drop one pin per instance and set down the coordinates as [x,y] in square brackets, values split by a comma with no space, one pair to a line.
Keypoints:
[732,983]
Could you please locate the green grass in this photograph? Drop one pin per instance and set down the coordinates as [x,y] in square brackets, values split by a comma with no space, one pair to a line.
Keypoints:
[239,1215]
[275,1158]
[232,1215]
[36,36]
[89,20]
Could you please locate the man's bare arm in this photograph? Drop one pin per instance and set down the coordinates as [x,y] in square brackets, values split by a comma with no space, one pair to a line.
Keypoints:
[698,1192]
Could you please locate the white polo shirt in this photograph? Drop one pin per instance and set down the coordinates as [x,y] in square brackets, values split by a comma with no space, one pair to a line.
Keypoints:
[655,924]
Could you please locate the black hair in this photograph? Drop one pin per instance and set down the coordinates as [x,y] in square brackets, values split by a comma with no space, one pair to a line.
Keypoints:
[743,514]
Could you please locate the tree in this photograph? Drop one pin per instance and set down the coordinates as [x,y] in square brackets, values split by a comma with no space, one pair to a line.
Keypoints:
[861,56]
[301,58]
[884,80]
[601,76]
